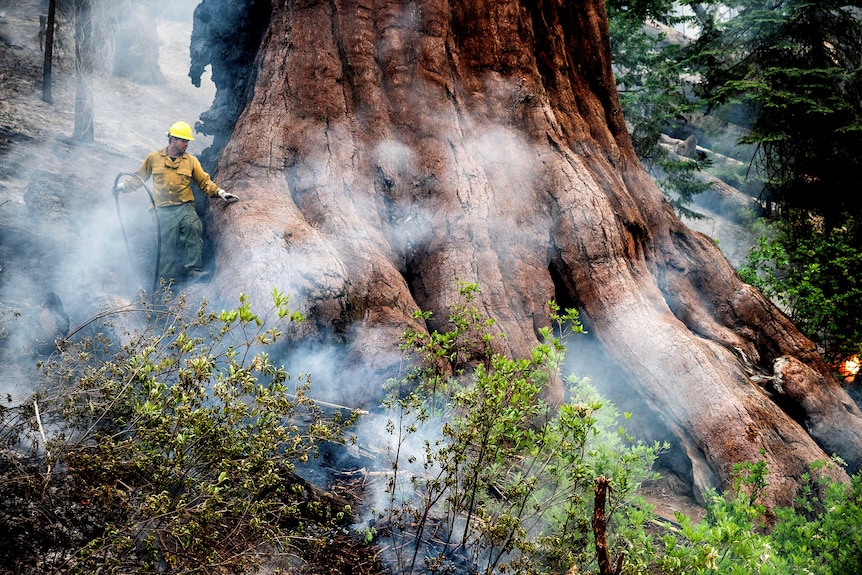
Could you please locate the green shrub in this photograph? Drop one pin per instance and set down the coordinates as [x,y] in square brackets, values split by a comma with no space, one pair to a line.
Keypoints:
[182,443]
[488,479]
[500,482]
[822,534]
[819,535]
[814,275]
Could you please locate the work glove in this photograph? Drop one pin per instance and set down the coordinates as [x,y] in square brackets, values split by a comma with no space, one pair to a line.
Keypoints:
[227,196]
[122,188]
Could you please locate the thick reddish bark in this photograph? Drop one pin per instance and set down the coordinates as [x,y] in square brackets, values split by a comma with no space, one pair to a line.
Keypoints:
[389,149]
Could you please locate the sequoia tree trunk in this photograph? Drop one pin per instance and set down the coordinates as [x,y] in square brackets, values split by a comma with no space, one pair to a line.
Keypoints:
[388,149]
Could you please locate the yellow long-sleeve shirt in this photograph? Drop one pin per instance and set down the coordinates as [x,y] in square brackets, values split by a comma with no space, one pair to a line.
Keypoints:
[172,178]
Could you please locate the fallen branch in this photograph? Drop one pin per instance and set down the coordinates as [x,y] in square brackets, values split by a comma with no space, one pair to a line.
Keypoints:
[329,405]
[45,441]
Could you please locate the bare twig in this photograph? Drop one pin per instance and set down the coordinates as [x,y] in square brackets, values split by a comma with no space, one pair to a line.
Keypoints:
[45,441]
[121,309]
[332,405]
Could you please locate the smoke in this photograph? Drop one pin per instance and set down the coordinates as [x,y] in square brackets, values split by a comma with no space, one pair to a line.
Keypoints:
[396,436]
[729,207]
[340,372]
[512,167]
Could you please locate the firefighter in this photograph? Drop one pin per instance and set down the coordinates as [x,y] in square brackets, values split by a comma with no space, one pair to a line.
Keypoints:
[173,170]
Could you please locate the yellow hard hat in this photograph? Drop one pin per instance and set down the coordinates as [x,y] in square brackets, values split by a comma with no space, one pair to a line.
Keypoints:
[181,130]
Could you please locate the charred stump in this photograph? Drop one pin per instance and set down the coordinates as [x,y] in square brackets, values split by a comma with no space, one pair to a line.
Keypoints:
[600,530]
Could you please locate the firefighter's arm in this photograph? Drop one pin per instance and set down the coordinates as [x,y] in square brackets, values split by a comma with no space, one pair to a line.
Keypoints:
[132,184]
[209,187]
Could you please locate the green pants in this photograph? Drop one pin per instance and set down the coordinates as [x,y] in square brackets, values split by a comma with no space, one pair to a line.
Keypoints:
[180,234]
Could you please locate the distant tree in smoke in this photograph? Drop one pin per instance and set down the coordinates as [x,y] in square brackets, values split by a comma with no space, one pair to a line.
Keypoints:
[85,120]
[120,37]
[48,61]
[136,43]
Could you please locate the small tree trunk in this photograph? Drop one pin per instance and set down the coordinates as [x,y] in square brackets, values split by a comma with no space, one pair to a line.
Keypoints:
[600,530]
[84,115]
[49,53]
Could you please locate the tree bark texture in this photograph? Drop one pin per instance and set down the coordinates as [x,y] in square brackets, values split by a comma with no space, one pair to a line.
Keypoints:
[388,149]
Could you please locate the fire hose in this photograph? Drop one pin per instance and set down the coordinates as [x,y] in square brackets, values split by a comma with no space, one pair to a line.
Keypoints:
[123,228]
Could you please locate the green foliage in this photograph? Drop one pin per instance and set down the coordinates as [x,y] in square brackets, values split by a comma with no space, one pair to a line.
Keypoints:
[177,450]
[815,276]
[818,536]
[486,476]
[648,78]
[184,441]
[739,177]
[681,182]
[795,66]
[731,540]
[822,534]
[654,95]
[487,479]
